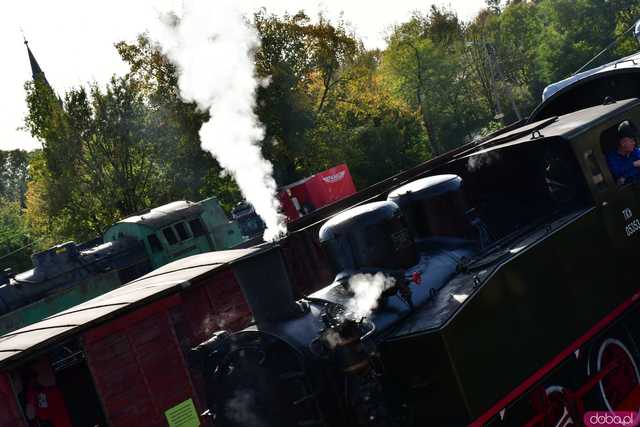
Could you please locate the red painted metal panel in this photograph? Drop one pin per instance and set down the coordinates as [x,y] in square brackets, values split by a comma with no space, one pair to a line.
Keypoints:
[138,367]
[214,305]
[316,191]
[122,323]
[9,411]
[330,186]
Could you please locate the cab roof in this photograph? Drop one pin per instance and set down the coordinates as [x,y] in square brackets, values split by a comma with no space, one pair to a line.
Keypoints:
[629,62]
[567,126]
[165,215]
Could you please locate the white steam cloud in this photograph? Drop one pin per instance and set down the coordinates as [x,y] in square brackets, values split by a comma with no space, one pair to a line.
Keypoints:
[239,409]
[212,46]
[367,289]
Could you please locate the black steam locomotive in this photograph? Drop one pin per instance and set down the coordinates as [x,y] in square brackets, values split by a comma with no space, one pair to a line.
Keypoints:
[496,286]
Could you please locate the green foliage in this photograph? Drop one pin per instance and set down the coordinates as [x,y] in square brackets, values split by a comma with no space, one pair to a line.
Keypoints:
[573,32]
[305,63]
[325,104]
[367,128]
[173,125]
[99,162]
[426,66]
[503,48]
[14,172]
[15,239]
[108,152]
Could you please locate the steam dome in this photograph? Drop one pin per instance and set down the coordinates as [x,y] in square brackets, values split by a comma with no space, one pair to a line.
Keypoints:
[434,206]
[373,235]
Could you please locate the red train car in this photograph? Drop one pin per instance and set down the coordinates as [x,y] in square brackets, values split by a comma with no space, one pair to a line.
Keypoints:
[122,359]
[318,190]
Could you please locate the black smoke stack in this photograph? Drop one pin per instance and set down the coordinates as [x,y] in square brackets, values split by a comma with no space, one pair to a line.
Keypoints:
[265,284]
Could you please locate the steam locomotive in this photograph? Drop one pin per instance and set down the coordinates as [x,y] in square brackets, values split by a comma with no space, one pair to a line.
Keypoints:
[495,286]
[69,273]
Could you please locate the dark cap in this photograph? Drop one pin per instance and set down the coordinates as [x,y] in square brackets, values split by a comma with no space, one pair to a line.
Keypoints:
[627,129]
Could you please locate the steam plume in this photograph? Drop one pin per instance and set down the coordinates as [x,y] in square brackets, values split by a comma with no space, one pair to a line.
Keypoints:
[367,289]
[212,46]
[239,409]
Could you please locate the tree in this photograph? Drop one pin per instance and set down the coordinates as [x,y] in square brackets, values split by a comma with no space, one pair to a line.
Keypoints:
[98,161]
[187,172]
[425,65]
[305,65]
[15,239]
[365,126]
[573,31]
[503,49]
[14,172]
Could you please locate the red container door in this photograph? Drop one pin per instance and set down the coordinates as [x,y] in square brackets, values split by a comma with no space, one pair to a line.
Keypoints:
[330,186]
[137,366]
[9,412]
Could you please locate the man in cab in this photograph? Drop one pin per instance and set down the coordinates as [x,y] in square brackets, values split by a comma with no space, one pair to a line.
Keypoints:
[624,161]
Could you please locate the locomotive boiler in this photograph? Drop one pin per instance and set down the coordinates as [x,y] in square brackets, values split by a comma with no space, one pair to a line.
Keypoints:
[495,289]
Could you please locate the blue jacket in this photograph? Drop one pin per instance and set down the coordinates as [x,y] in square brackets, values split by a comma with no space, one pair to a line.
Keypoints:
[622,166]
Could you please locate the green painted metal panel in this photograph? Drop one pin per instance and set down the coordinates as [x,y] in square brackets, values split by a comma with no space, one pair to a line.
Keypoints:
[227,235]
[59,301]
[120,229]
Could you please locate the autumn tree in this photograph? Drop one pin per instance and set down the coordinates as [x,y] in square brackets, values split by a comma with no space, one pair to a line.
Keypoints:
[99,161]
[305,64]
[425,65]
[368,128]
[187,171]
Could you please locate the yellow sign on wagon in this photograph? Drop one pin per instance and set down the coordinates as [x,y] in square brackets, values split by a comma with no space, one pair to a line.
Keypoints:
[183,415]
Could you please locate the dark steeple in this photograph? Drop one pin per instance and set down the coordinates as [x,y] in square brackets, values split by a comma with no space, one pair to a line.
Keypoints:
[36,71]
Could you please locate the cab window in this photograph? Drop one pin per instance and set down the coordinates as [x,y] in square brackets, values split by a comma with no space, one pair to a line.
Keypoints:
[170,235]
[182,231]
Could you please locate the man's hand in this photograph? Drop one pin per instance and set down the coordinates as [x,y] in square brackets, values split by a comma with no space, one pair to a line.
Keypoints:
[621,180]
[636,164]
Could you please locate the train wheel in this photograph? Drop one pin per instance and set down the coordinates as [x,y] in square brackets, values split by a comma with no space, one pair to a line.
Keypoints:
[623,378]
[560,407]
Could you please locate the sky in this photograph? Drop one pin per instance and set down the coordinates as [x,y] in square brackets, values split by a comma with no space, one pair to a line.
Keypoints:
[73,40]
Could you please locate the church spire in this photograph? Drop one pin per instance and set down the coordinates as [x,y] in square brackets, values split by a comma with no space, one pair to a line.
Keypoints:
[36,71]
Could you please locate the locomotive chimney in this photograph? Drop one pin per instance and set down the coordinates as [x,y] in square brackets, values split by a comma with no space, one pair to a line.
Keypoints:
[265,284]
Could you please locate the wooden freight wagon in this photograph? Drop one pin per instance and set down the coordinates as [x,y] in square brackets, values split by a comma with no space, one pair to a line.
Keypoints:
[121,359]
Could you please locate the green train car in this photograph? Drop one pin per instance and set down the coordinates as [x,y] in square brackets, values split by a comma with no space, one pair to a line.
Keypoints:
[69,274]
[179,229]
